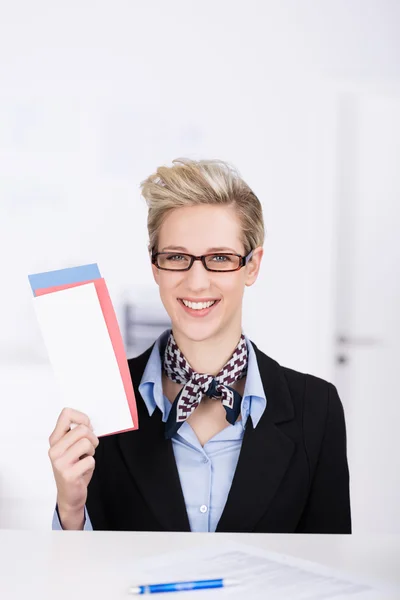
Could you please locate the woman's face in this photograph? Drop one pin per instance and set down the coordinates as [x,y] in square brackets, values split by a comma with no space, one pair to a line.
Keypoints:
[200,230]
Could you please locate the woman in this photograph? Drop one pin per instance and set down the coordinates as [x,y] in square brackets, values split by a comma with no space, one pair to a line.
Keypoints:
[228,439]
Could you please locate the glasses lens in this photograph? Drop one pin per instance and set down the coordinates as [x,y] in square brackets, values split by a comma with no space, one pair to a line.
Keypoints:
[174,262]
[222,262]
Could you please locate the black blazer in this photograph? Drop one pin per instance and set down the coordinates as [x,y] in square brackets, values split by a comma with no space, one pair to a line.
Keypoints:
[292,475]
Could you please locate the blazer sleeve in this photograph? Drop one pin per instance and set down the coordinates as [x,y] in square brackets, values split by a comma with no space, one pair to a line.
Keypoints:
[95,507]
[328,506]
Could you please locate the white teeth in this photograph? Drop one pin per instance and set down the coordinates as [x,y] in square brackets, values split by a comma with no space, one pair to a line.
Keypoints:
[198,305]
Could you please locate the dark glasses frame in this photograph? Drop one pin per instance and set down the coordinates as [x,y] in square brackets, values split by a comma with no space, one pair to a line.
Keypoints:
[243,260]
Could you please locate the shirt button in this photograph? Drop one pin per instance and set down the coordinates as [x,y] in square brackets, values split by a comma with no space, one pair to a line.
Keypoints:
[205,460]
[203,508]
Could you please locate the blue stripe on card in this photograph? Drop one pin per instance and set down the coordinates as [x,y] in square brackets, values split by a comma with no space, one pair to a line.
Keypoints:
[64,276]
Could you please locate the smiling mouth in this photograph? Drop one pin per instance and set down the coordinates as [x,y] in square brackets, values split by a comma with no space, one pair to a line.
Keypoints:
[198,306]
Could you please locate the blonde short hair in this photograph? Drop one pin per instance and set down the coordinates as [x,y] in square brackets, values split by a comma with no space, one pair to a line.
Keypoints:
[189,183]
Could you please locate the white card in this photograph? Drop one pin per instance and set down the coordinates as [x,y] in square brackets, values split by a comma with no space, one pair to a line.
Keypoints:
[82,357]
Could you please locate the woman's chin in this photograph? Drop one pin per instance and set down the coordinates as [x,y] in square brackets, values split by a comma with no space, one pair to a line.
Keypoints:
[197,332]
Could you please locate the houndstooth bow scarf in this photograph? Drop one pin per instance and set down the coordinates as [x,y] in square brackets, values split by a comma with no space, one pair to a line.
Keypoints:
[177,368]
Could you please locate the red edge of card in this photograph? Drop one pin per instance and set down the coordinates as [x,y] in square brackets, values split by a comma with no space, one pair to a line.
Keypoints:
[116,340]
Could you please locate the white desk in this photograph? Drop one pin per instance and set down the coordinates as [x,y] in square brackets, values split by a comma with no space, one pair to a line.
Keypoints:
[101,565]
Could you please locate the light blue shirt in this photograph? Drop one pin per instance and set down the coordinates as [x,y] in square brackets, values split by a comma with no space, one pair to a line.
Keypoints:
[205,472]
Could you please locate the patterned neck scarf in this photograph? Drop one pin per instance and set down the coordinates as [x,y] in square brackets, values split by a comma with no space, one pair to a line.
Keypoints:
[177,368]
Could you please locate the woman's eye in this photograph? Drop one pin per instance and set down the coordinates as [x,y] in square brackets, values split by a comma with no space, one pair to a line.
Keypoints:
[224,258]
[176,257]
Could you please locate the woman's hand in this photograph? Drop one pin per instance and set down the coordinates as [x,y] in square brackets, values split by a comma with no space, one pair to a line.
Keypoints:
[72,458]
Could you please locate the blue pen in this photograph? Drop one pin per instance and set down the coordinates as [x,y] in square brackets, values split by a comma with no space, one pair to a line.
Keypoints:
[182,586]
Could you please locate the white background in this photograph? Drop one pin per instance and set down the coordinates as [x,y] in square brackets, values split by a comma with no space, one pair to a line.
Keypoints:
[95,95]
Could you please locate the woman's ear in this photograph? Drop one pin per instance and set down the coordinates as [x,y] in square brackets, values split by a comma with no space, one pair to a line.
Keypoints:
[253,266]
[156,273]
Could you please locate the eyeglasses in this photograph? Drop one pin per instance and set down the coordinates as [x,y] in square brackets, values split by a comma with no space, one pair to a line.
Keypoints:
[173,261]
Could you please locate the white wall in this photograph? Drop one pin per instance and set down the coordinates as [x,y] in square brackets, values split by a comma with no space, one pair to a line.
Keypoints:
[93,97]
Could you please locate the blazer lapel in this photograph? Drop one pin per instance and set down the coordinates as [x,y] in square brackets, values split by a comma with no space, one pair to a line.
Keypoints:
[265,454]
[151,461]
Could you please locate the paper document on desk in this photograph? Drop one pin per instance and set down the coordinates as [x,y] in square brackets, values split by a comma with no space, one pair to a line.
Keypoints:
[263,575]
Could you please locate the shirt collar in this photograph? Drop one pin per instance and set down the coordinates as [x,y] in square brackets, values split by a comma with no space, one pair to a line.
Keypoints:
[253,403]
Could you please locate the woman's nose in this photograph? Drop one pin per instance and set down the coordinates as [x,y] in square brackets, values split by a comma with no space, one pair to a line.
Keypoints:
[198,277]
